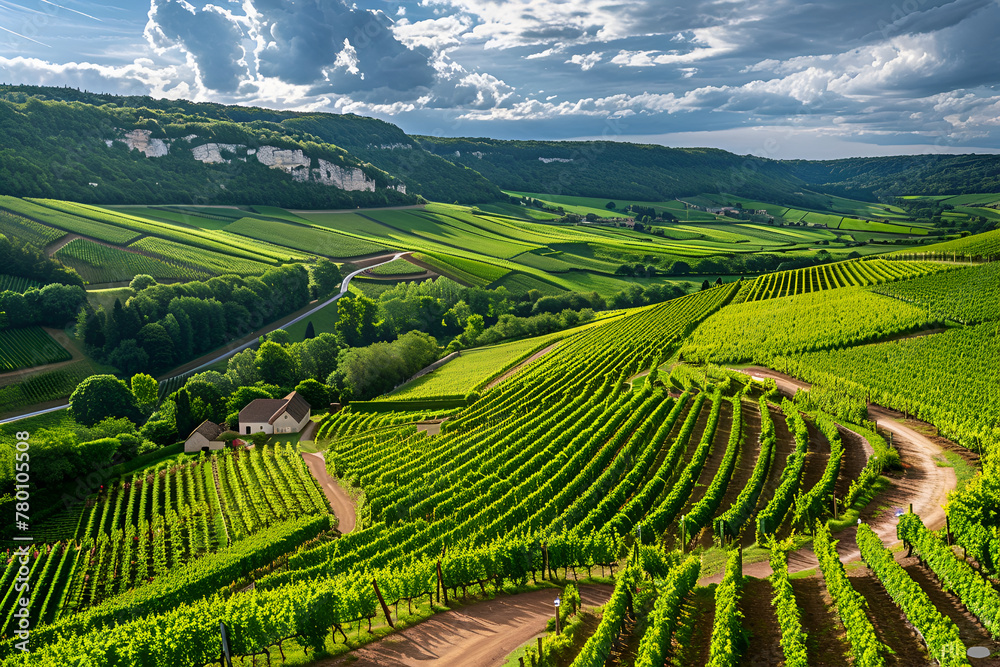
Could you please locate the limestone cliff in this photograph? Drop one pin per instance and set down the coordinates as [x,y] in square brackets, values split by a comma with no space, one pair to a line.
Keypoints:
[292,161]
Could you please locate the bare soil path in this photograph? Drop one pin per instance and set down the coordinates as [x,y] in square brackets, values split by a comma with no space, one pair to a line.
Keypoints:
[764,647]
[749,451]
[921,482]
[826,644]
[477,635]
[342,504]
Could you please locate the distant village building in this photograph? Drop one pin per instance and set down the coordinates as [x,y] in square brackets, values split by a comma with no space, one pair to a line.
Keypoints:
[275,415]
[206,435]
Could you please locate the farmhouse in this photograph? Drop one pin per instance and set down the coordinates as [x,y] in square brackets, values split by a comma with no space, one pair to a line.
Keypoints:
[206,435]
[275,415]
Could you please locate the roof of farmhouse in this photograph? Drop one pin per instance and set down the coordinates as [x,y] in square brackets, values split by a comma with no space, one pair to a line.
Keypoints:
[269,409]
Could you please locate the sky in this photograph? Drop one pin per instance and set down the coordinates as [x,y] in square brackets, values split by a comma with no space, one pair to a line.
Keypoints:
[775,78]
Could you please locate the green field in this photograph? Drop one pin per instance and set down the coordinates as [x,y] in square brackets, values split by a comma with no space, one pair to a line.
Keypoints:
[212,240]
[879,227]
[98,263]
[31,346]
[470,370]
[398,267]
[199,259]
[19,227]
[67,222]
[307,239]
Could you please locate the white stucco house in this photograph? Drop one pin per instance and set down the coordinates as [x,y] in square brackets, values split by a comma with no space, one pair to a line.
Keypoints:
[206,435]
[275,415]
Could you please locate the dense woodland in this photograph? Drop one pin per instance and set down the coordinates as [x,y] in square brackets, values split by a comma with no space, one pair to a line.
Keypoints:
[79,122]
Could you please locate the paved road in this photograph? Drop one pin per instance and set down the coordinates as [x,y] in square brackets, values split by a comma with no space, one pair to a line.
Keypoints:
[344,286]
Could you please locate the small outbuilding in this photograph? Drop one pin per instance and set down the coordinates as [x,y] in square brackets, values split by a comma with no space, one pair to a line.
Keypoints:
[275,415]
[205,436]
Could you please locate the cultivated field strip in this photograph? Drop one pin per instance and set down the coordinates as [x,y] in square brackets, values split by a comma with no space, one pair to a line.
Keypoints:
[140,529]
[850,273]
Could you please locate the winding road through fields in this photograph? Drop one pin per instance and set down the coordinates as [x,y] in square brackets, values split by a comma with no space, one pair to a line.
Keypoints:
[239,345]
[922,482]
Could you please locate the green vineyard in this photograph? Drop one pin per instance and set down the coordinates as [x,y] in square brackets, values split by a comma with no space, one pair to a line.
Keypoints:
[307,239]
[19,227]
[603,452]
[67,222]
[98,263]
[17,284]
[146,528]
[32,346]
[831,276]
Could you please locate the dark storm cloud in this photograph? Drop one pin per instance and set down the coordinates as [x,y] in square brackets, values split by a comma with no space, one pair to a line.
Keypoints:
[323,44]
[304,40]
[212,39]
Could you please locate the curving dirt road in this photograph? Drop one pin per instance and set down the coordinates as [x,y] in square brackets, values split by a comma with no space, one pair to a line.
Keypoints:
[342,504]
[921,482]
[480,634]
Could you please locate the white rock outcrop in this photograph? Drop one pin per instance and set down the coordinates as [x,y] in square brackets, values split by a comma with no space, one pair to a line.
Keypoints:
[547,160]
[140,140]
[212,153]
[284,159]
[351,178]
[399,187]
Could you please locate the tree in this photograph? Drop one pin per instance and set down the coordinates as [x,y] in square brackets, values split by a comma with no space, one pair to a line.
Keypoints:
[128,357]
[242,368]
[325,278]
[275,365]
[610,206]
[279,336]
[141,282]
[242,397]
[310,331]
[145,389]
[680,269]
[102,396]
[705,285]
[473,328]
[183,413]
[356,320]
[315,393]
[158,346]
[624,270]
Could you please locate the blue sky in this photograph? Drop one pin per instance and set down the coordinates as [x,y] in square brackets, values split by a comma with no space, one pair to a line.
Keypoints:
[776,78]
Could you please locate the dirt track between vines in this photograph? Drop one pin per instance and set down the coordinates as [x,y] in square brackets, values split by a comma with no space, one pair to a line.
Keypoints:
[342,504]
[481,634]
[922,482]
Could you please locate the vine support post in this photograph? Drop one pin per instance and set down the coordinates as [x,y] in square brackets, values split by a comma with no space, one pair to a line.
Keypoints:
[385,608]
[441,585]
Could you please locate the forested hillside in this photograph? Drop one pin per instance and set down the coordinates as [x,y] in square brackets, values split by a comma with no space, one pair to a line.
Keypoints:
[622,171]
[869,178]
[75,145]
